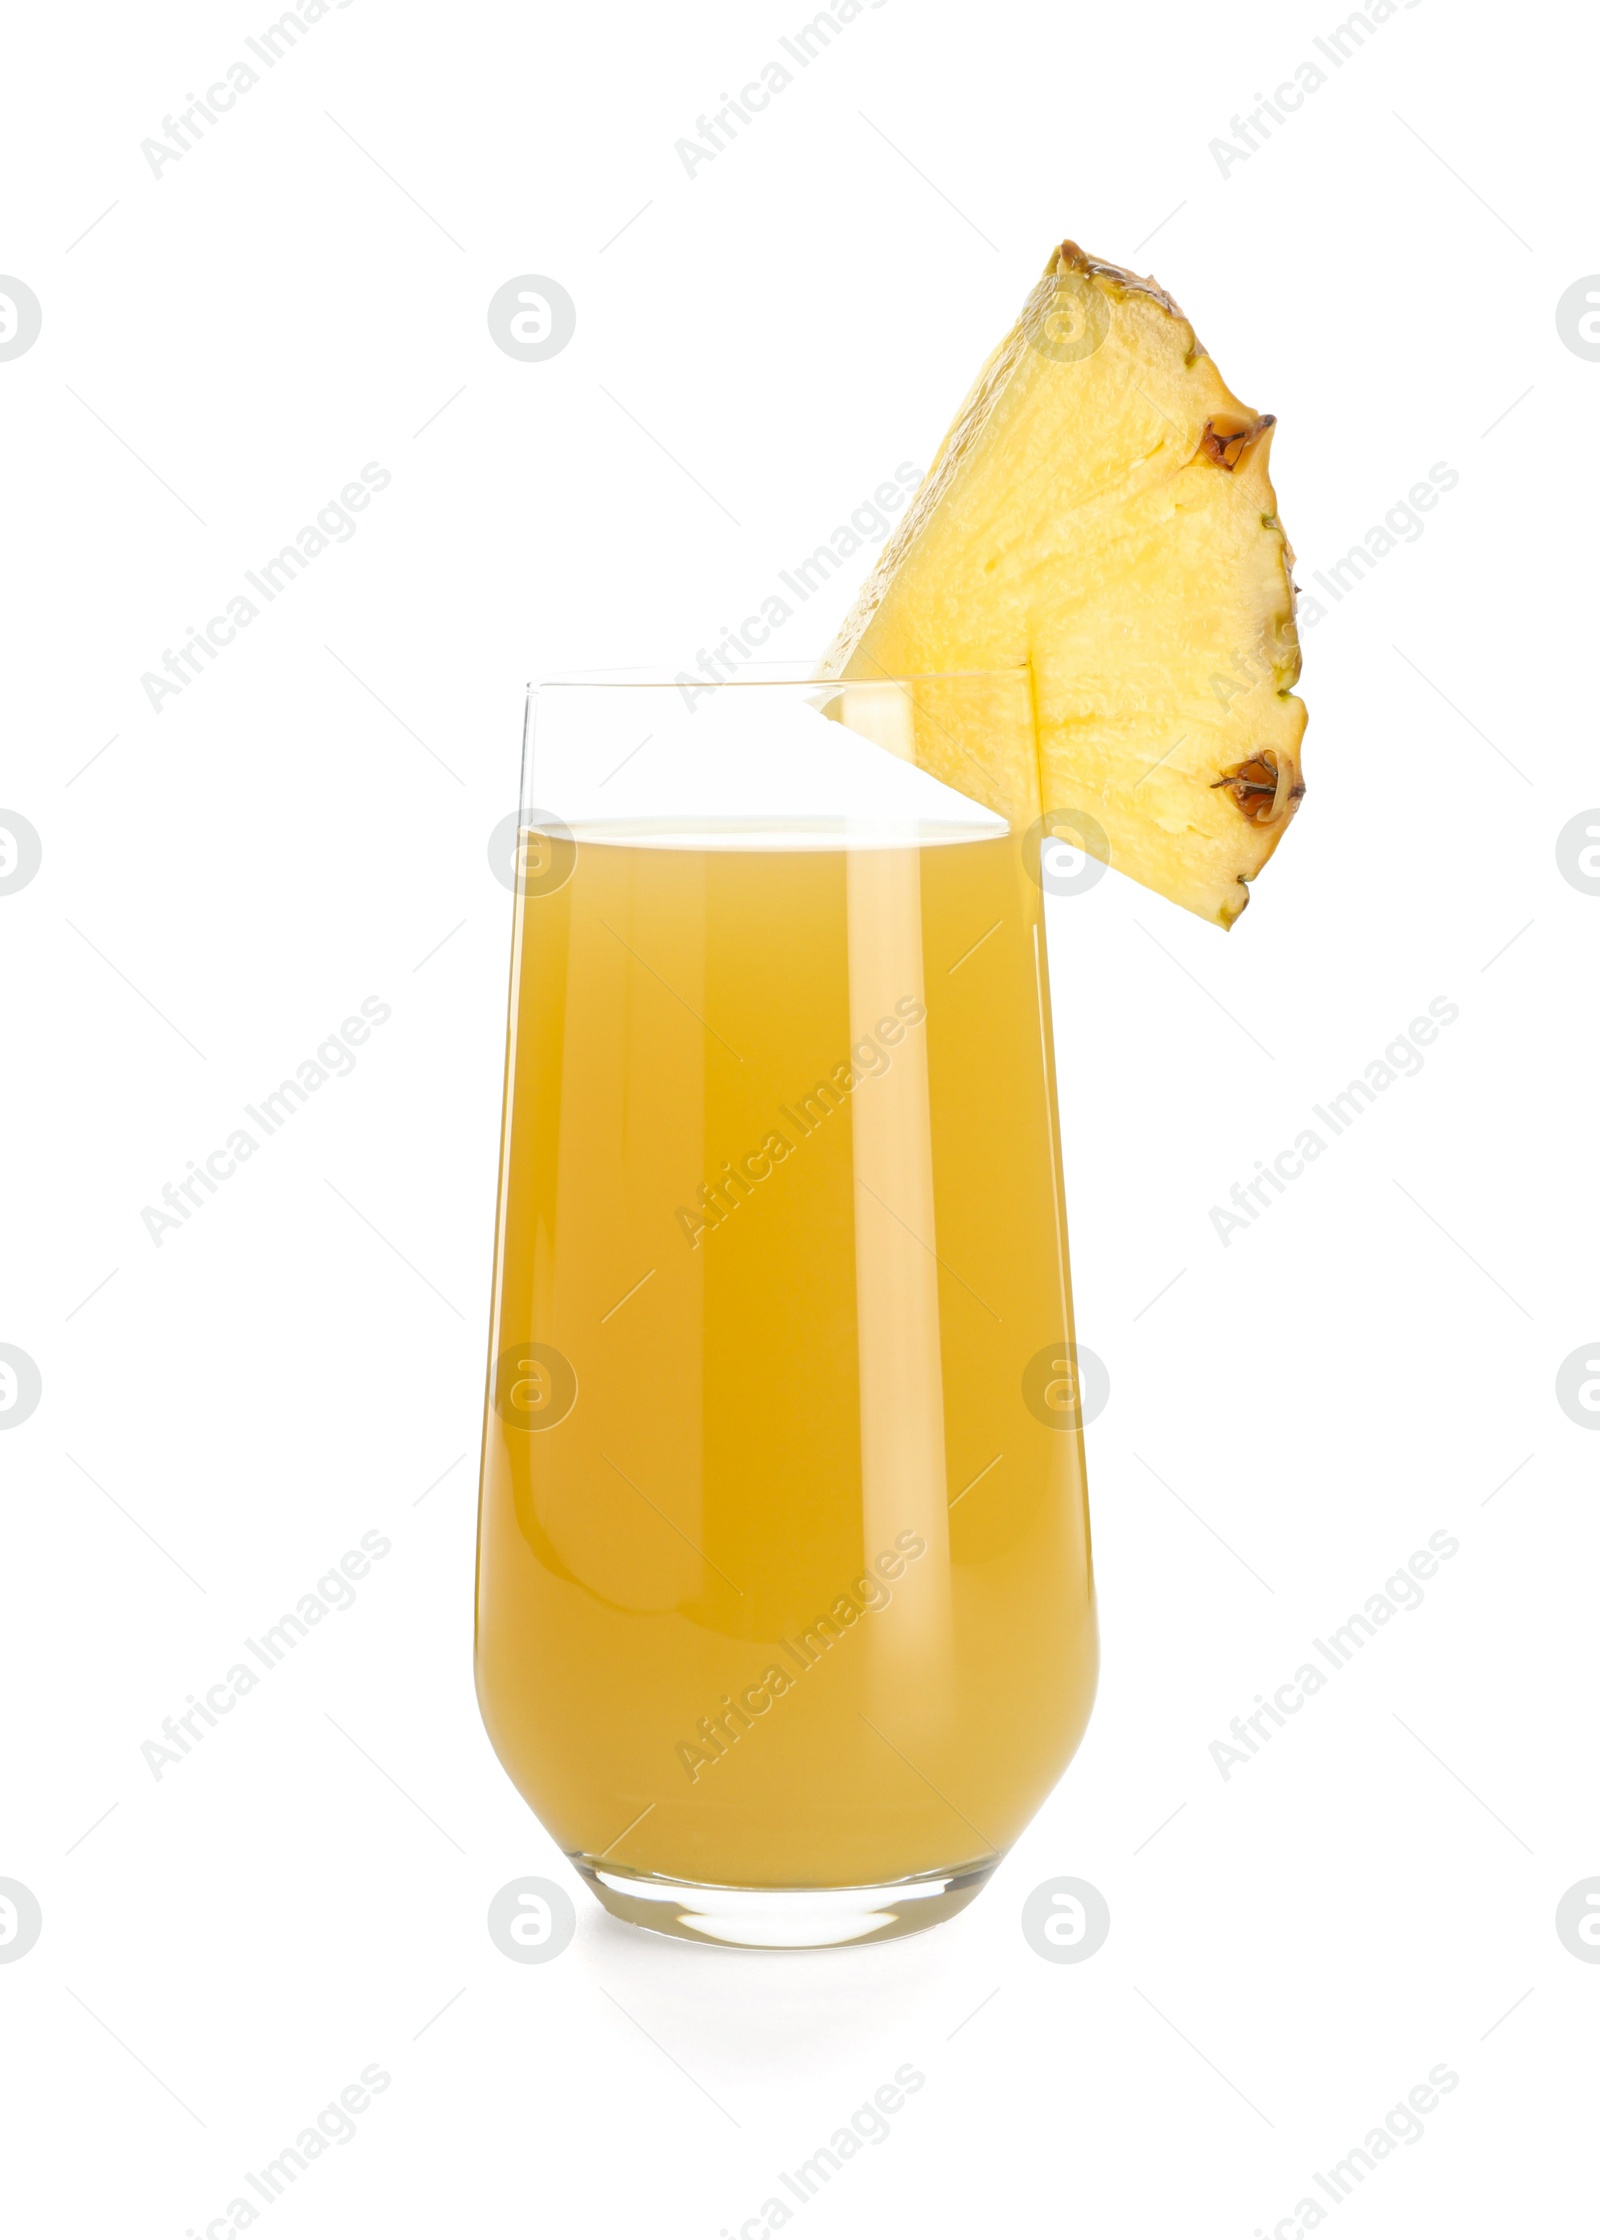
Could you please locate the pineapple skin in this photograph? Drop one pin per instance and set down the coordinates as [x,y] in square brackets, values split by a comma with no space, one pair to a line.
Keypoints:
[1102,509]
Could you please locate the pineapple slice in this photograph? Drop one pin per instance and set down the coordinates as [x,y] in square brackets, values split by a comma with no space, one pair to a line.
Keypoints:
[1101,508]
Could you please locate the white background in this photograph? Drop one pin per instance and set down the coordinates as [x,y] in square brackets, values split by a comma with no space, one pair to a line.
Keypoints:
[225,880]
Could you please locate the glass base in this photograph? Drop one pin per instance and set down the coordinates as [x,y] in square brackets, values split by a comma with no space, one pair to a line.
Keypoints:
[774,1920]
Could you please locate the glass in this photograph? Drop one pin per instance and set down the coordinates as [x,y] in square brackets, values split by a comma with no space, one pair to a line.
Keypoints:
[785,1608]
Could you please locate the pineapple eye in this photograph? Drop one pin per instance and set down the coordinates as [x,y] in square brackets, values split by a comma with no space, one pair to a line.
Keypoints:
[1258,789]
[1227,439]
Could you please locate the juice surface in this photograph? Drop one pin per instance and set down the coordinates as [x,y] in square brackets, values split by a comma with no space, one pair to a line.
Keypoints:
[781,1579]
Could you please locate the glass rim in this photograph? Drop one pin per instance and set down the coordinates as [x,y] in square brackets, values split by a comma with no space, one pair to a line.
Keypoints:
[781,675]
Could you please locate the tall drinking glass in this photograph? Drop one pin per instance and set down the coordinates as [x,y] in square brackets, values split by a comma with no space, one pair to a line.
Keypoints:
[785,1614]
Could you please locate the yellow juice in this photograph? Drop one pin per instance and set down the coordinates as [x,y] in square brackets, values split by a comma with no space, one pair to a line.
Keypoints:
[782,1581]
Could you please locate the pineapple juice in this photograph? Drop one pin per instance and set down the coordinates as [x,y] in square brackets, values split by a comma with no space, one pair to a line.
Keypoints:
[781,1582]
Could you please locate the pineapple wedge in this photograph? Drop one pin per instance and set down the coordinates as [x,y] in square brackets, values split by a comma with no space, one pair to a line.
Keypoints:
[1101,508]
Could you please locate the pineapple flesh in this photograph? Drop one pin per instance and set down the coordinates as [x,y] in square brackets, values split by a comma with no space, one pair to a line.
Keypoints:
[1101,509]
